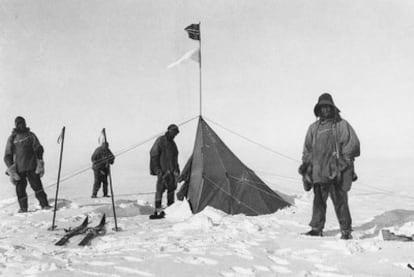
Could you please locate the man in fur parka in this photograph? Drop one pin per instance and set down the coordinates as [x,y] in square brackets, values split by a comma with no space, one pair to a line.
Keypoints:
[331,146]
[101,159]
[164,164]
[24,160]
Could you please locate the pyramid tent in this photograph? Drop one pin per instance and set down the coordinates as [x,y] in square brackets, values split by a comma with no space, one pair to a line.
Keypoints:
[217,178]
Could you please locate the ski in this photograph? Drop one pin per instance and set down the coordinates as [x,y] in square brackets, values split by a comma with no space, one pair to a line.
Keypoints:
[93,232]
[73,232]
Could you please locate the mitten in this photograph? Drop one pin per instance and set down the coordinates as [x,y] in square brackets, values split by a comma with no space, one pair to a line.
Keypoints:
[40,168]
[12,172]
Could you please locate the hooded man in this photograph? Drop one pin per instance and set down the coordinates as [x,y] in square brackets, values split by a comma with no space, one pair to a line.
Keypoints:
[101,158]
[164,164]
[24,160]
[331,146]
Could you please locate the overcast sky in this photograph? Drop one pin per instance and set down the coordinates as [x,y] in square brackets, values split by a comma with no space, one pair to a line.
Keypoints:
[94,64]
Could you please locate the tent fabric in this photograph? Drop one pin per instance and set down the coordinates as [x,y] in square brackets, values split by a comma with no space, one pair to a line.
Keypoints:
[217,178]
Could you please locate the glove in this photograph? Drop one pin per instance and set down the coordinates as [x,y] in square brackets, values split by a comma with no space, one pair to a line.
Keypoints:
[40,168]
[176,175]
[12,172]
[305,170]
[167,177]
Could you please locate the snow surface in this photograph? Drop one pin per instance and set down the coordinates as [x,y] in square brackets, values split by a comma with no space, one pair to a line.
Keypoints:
[210,243]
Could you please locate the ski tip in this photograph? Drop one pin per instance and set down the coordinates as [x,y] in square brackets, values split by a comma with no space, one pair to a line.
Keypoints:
[60,242]
[103,220]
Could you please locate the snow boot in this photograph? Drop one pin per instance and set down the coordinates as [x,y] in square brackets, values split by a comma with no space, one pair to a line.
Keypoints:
[314,233]
[346,235]
[157,215]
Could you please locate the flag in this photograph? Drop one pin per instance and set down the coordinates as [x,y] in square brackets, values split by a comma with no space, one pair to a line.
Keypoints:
[102,137]
[193,54]
[193,31]
[61,136]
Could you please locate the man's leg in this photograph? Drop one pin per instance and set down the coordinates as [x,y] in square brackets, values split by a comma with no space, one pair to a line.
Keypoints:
[159,191]
[21,192]
[104,179]
[340,202]
[171,187]
[321,193]
[36,184]
[96,183]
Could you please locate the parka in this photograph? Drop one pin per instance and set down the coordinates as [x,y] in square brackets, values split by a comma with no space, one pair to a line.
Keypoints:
[164,156]
[101,158]
[320,150]
[23,149]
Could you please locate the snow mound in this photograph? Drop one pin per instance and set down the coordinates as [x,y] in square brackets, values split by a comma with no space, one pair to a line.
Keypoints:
[206,219]
[215,215]
[180,210]
[407,229]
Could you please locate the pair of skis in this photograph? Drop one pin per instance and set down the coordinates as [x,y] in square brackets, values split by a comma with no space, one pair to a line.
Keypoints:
[91,232]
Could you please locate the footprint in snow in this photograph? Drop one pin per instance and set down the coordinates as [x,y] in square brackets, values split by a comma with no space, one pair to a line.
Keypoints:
[197,261]
[243,270]
[92,273]
[221,253]
[278,260]
[228,274]
[325,267]
[133,259]
[245,254]
[280,269]
[100,263]
[134,271]
[261,268]
[328,274]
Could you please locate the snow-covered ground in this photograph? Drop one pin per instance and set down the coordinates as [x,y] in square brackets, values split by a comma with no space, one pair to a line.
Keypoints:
[210,243]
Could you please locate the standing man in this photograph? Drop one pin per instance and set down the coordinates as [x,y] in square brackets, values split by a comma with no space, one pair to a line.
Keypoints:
[331,146]
[164,164]
[101,158]
[24,160]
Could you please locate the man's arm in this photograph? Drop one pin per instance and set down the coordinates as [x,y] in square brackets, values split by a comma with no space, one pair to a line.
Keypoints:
[349,142]
[111,157]
[155,153]
[8,153]
[37,147]
[308,145]
[94,156]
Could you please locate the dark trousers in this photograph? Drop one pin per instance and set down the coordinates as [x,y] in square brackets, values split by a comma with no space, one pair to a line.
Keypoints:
[340,202]
[165,182]
[36,184]
[101,177]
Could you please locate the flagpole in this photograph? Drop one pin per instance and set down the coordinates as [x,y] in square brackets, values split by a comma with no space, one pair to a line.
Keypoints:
[199,42]
[62,140]
[110,185]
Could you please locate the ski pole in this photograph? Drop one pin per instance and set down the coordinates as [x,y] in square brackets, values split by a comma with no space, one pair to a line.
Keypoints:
[61,140]
[110,185]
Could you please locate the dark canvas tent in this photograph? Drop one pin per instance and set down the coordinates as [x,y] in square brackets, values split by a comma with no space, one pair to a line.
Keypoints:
[217,178]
